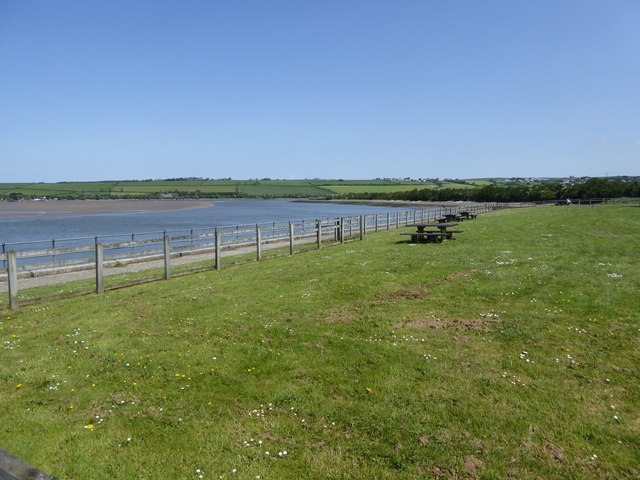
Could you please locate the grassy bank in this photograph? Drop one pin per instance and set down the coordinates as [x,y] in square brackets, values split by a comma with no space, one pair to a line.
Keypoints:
[509,352]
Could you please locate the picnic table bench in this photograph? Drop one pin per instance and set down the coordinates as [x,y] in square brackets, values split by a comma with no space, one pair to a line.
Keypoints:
[426,237]
[443,232]
[449,217]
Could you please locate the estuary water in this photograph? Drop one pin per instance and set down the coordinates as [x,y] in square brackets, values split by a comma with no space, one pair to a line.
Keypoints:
[216,213]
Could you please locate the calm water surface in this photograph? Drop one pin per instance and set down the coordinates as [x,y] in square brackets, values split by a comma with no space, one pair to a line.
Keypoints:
[218,213]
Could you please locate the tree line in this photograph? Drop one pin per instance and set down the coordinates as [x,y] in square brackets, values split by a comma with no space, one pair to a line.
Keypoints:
[543,191]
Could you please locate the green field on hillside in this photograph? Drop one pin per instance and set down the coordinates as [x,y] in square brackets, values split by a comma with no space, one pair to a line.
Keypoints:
[250,188]
[510,352]
[344,189]
[456,185]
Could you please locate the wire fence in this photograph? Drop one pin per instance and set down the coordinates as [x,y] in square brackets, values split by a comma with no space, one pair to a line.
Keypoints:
[42,270]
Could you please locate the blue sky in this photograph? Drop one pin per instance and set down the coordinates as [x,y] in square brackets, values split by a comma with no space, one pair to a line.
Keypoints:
[318,89]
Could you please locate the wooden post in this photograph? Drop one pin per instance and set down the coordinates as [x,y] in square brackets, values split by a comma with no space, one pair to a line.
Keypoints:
[291,238]
[341,229]
[362,220]
[99,267]
[397,219]
[388,220]
[319,232]
[12,277]
[167,257]
[258,243]
[217,246]
[376,227]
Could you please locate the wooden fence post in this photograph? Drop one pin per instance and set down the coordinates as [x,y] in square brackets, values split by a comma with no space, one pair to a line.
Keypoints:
[362,220]
[12,278]
[99,267]
[341,229]
[291,238]
[167,257]
[319,232]
[258,243]
[217,247]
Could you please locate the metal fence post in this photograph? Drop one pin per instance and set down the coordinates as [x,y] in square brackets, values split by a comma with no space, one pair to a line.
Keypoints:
[291,238]
[99,267]
[167,257]
[12,277]
[258,243]
[217,247]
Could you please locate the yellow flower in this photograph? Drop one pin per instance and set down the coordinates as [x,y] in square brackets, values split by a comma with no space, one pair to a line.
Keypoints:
[18,385]
[89,427]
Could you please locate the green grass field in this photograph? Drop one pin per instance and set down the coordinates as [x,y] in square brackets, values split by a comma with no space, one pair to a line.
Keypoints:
[251,188]
[345,189]
[510,352]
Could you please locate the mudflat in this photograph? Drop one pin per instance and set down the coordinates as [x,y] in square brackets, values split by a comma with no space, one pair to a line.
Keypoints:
[43,208]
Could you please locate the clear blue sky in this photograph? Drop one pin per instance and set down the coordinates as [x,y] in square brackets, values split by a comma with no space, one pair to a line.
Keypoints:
[136,89]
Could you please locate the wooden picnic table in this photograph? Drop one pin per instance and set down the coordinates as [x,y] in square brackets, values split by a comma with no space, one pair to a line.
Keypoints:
[425,236]
[451,217]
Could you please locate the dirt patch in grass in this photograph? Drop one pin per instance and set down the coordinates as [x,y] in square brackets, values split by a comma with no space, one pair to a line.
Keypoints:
[471,463]
[336,315]
[482,324]
[555,452]
[420,291]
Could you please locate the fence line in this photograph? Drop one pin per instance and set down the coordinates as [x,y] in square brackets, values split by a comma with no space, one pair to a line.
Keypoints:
[195,249]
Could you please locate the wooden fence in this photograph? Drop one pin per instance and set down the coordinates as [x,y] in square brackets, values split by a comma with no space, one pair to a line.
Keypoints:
[96,264]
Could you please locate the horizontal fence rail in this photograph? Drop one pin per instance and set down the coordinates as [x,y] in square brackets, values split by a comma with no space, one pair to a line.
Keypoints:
[117,259]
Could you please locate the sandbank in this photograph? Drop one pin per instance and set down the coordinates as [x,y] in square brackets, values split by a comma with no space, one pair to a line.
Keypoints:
[45,208]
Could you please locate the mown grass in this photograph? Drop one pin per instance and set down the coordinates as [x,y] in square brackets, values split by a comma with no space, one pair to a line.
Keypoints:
[512,351]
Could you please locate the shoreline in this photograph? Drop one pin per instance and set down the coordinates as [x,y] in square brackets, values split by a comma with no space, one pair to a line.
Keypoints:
[48,208]
[391,203]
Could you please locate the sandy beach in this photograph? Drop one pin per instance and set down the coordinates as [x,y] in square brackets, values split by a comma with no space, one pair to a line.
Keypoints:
[43,208]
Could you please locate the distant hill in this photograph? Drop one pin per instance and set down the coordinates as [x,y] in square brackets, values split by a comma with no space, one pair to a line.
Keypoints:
[508,189]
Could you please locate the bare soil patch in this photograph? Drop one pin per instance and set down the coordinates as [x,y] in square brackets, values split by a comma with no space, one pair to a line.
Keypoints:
[482,324]
[420,291]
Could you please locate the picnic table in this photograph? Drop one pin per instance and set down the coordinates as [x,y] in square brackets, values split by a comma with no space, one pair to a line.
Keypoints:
[449,217]
[422,235]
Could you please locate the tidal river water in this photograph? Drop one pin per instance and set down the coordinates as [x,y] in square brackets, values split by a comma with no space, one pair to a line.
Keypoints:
[36,226]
